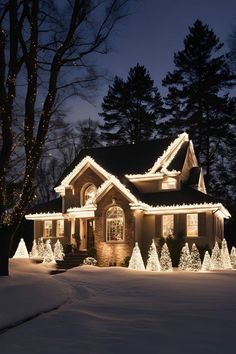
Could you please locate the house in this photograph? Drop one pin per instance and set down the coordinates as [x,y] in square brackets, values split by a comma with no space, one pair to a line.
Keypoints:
[111,197]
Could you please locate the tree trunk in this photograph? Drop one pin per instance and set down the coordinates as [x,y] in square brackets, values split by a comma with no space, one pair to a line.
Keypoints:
[5,240]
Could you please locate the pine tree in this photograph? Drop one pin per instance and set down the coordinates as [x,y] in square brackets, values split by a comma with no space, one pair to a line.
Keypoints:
[225,255]
[34,252]
[233,257]
[185,262]
[41,247]
[165,260]
[153,263]
[195,259]
[216,258]
[48,256]
[131,108]
[58,251]
[195,98]
[21,251]
[136,261]
[206,264]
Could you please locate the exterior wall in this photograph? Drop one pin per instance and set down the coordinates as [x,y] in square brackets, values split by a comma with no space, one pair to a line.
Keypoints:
[39,231]
[109,253]
[208,229]
[148,234]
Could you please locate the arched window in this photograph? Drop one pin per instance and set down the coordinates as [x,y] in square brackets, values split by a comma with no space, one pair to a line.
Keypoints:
[115,224]
[89,194]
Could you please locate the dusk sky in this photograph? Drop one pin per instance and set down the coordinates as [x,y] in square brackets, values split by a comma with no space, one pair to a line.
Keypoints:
[151,35]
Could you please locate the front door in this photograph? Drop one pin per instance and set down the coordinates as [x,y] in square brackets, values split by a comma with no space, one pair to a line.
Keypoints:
[90,234]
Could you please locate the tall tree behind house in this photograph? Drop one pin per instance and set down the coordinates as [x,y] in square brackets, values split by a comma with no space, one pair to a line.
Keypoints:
[198,95]
[131,108]
[46,48]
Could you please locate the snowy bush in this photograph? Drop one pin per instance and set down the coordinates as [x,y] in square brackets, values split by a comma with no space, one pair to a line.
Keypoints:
[90,261]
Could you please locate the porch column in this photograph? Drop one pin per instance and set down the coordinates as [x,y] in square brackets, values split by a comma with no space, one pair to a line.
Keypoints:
[82,230]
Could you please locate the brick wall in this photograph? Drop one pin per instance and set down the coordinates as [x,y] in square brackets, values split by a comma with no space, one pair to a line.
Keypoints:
[113,252]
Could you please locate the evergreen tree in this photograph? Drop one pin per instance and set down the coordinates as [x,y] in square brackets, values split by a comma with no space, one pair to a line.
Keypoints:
[58,251]
[233,257]
[34,252]
[216,258]
[131,108]
[21,251]
[136,261]
[41,247]
[48,256]
[153,263]
[185,262]
[195,259]
[195,100]
[165,260]
[206,264]
[225,255]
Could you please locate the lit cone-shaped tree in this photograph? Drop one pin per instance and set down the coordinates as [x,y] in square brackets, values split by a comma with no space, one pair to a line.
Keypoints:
[165,260]
[48,256]
[41,247]
[216,258]
[233,257]
[206,264]
[153,263]
[58,251]
[185,262]
[21,251]
[136,261]
[225,255]
[195,259]
[34,252]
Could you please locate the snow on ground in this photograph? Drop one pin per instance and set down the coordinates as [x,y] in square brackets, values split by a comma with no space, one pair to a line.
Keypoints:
[28,291]
[119,311]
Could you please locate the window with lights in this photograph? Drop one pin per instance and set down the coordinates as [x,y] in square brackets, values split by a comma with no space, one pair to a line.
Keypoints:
[115,224]
[47,232]
[192,225]
[167,225]
[89,194]
[60,228]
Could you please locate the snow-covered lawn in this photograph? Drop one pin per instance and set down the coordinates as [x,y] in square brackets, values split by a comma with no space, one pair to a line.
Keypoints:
[116,310]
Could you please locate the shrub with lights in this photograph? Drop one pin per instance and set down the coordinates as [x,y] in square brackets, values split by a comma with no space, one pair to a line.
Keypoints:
[165,260]
[90,261]
[136,261]
[21,251]
[206,264]
[153,263]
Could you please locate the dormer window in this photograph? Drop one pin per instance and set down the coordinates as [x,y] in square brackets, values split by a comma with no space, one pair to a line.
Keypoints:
[89,194]
[169,183]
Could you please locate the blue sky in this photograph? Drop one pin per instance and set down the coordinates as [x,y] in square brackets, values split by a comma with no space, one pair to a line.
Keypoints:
[151,35]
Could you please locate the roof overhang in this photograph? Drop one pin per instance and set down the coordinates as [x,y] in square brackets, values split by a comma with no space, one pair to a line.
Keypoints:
[44,216]
[184,208]
[82,213]
[82,166]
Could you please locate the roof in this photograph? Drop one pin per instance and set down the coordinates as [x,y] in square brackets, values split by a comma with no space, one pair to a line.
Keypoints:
[123,159]
[54,205]
[178,161]
[194,176]
[181,197]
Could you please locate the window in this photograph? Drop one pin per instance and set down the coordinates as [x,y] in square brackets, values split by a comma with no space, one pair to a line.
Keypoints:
[192,225]
[115,224]
[89,194]
[169,183]
[48,228]
[60,228]
[167,225]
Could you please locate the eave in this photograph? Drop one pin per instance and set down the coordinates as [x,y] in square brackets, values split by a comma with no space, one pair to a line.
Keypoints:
[44,216]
